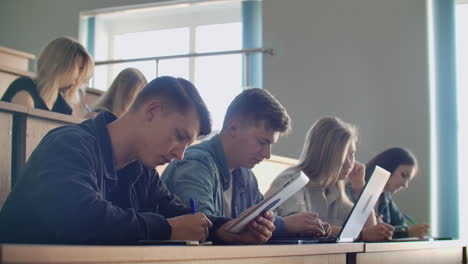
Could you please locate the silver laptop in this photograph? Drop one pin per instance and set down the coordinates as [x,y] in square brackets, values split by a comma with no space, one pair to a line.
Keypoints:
[356,218]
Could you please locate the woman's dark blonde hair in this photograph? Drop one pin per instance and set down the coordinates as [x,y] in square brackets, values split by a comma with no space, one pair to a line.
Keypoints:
[122,92]
[324,151]
[56,59]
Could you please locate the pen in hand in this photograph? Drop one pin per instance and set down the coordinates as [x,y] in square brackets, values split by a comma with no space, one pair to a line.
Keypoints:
[192,205]
[378,216]
[379,219]
[410,219]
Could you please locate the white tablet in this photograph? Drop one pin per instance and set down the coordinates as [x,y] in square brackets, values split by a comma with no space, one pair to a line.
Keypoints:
[269,203]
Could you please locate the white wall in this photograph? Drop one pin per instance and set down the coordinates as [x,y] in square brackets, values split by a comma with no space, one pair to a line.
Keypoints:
[28,25]
[362,60]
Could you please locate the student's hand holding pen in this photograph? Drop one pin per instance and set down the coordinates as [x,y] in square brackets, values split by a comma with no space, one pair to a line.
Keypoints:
[190,227]
[258,231]
[305,223]
[379,232]
[417,230]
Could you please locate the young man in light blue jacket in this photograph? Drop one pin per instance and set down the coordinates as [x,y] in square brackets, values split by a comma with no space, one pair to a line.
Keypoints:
[217,173]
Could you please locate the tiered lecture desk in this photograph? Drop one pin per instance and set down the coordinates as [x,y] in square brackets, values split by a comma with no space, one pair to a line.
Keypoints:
[7,112]
[13,64]
[264,254]
[427,252]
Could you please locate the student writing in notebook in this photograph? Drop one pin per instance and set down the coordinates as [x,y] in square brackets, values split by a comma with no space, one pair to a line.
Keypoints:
[403,166]
[95,182]
[217,172]
[63,67]
[328,159]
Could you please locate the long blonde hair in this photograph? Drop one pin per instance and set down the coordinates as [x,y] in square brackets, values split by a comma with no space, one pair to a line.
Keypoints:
[122,91]
[57,59]
[324,150]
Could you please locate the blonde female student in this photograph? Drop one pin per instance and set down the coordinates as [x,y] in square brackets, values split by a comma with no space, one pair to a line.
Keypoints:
[121,93]
[63,67]
[328,159]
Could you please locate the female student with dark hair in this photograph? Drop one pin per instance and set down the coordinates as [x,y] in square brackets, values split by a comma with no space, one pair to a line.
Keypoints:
[403,166]
[121,93]
[328,159]
[62,68]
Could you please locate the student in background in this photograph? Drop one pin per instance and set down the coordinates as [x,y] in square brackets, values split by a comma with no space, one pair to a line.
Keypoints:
[217,173]
[328,159]
[403,166]
[95,182]
[62,68]
[121,93]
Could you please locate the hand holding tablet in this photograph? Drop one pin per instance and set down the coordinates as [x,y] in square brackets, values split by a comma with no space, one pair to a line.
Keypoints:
[269,203]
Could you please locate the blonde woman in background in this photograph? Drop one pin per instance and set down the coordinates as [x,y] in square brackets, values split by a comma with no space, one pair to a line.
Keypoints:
[328,159]
[63,67]
[121,93]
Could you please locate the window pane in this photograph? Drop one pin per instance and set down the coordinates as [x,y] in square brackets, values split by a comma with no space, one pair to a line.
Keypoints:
[219,80]
[174,67]
[105,74]
[218,37]
[151,43]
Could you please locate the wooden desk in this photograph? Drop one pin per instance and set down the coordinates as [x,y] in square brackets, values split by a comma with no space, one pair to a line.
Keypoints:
[15,59]
[7,111]
[410,252]
[38,122]
[323,253]
[13,64]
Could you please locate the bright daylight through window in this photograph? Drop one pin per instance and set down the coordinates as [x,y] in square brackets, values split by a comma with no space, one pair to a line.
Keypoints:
[175,30]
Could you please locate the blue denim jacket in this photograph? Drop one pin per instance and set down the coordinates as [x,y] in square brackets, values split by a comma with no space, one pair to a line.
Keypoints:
[204,176]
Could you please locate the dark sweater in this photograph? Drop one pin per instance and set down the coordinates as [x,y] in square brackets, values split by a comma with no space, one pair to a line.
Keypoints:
[28,85]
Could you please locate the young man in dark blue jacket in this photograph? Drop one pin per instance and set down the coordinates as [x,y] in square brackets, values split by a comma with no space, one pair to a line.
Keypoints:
[95,182]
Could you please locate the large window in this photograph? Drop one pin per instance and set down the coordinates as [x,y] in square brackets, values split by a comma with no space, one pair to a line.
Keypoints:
[167,30]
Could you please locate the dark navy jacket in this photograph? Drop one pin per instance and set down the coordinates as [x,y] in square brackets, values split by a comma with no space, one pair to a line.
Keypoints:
[70,193]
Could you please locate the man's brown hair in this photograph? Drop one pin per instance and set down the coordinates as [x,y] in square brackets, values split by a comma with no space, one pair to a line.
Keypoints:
[255,105]
[179,94]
